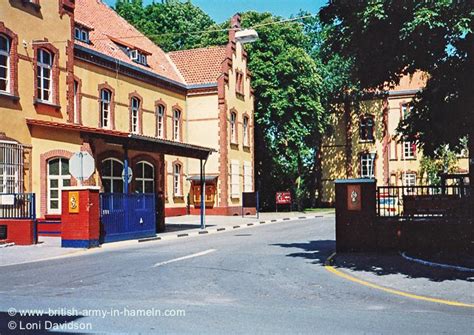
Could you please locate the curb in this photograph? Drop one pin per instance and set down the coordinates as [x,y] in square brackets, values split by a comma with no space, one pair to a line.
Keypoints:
[223,229]
[436,265]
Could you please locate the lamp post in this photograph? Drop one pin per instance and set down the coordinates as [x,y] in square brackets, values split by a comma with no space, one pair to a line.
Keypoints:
[373,154]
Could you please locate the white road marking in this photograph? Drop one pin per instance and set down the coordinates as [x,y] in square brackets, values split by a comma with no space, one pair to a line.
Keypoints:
[202,253]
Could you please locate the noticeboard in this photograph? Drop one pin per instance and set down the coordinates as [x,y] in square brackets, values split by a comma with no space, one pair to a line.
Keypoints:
[283,198]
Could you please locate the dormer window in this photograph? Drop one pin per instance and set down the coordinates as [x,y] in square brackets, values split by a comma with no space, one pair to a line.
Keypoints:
[138,57]
[81,34]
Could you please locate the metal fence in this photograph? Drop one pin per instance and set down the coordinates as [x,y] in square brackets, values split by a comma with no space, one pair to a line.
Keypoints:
[17,206]
[423,201]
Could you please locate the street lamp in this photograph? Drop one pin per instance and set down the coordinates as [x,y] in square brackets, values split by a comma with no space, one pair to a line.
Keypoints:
[246,36]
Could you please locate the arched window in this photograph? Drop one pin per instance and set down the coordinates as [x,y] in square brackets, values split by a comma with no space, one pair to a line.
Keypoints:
[160,121]
[367,128]
[44,75]
[112,175]
[58,178]
[233,127]
[105,99]
[246,133]
[144,177]
[177,180]
[135,115]
[4,63]
[177,125]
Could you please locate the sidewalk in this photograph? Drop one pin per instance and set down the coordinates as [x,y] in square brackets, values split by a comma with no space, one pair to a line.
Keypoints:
[176,227]
[391,270]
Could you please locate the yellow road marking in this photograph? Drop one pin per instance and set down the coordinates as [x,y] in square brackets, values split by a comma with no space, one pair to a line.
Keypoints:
[389,290]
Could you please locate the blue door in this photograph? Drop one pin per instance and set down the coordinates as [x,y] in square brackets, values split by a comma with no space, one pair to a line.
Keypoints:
[127,216]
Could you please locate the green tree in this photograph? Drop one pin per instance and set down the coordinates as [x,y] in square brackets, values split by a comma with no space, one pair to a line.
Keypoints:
[290,119]
[172,24]
[385,39]
[444,160]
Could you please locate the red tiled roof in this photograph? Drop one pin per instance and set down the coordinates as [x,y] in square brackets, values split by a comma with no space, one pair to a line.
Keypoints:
[199,66]
[106,22]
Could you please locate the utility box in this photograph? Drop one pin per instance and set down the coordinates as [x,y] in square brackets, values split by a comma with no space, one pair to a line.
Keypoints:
[356,215]
[80,217]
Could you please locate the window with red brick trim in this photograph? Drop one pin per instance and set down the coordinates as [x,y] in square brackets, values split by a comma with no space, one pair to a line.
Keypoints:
[246,131]
[177,179]
[177,124]
[160,120]
[105,108]
[8,61]
[233,127]
[46,73]
[135,107]
[5,61]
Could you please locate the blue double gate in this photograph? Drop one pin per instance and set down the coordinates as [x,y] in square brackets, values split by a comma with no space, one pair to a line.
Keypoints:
[127,216]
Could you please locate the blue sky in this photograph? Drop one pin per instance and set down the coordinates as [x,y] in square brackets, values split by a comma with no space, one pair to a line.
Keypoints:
[221,10]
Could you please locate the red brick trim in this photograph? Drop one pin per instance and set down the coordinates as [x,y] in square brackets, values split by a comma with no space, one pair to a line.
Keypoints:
[165,110]
[140,111]
[44,158]
[178,162]
[71,100]
[181,116]
[106,86]
[13,58]
[44,44]
[66,7]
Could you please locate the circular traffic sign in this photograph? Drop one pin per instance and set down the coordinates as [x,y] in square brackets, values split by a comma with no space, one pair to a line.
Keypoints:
[130,175]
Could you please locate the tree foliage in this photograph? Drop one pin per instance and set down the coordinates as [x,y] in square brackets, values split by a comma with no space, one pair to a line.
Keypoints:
[171,24]
[289,115]
[385,39]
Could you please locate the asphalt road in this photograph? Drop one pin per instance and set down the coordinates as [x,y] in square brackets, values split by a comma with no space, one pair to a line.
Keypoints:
[261,280]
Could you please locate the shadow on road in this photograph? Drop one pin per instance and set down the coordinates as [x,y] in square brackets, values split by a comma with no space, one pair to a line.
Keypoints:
[172,227]
[317,251]
[380,264]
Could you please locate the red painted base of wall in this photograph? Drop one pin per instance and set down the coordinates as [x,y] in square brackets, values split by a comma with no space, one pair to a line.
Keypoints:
[49,226]
[226,211]
[20,232]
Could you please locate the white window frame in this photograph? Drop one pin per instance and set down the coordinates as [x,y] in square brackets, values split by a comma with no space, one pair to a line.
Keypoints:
[233,127]
[177,182]
[246,132]
[367,166]
[143,180]
[248,177]
[409,179]
[160,121]
[6,53]
[11,167]
[112,178]
[177,125]
[105,108]
[135,115]
[408,150]
[41,77]
[60,179]
[234,179]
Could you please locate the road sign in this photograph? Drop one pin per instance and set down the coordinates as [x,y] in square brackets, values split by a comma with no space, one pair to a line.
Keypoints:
[283,198]
[81,165]
[130,175]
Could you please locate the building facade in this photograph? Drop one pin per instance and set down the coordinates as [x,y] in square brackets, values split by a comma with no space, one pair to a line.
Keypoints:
[364,142]
[85,80]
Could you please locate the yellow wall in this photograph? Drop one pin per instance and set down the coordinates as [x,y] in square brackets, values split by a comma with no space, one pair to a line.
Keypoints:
[21,18]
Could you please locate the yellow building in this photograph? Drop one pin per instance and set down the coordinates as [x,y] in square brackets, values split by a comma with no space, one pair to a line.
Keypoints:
[364,142]
[85,80]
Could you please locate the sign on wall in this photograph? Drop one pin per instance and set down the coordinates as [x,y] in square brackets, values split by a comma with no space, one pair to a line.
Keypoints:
[73,202]
[354,201]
